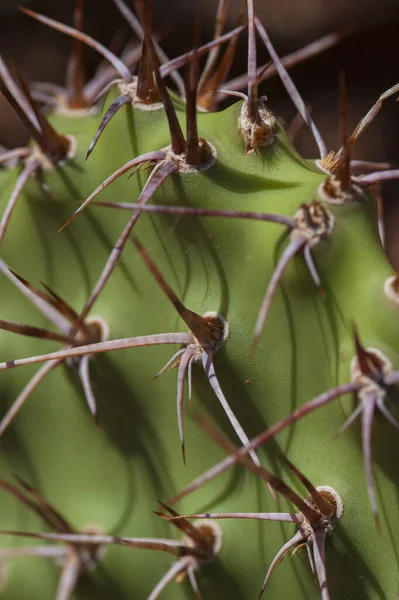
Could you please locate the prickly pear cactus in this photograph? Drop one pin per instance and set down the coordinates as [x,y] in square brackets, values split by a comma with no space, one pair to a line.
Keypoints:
[259,280]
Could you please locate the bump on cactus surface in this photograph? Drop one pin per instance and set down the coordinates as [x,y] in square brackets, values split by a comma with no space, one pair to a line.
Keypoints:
[121,228]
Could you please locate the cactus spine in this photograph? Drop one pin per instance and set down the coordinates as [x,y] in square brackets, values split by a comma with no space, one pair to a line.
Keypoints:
[258,279]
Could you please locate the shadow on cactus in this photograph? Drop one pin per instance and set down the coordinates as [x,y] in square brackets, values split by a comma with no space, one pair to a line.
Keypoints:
[271,261]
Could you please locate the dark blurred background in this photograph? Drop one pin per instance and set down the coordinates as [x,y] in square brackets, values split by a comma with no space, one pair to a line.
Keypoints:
[369,56]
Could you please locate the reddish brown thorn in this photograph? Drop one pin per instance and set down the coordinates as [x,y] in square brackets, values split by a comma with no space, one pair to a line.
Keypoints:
[138,30]
[36,332]
[176,135]
[182,524]
[361,353]
[207,93]
[213,432]
[263,473]
[369,363]
[86,39]
[75,68]
[192,73]
[37,504]
[34,289]
[21,497]
[37,298]
[146,88]
[307,408]
[200,327]
[58,522]
[140,9]
[111,112]
[51,298]
[17,94]
[55,146]
[182,60]
[59,304]
[67,311]
[323,505]
[35,133]
[214,53]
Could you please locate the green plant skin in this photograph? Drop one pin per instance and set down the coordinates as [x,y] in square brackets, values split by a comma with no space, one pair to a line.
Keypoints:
[113,476]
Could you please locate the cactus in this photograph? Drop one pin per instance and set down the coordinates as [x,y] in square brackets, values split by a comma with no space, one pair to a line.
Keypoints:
[265,274]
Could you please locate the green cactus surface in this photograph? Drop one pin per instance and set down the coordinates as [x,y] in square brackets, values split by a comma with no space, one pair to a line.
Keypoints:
[106,472]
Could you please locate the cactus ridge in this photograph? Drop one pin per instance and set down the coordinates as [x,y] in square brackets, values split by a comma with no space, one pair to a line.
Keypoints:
[204,191]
